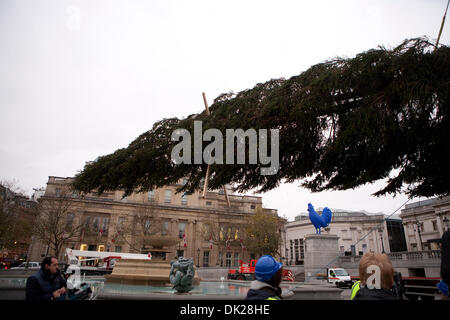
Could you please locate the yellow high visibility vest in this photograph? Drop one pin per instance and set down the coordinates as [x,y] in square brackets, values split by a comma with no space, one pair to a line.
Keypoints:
[355,289]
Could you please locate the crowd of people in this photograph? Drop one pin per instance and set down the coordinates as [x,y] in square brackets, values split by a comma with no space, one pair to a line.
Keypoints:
[382,286]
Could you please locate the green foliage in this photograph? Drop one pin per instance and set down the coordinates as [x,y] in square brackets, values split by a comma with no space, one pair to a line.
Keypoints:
[343,123]
[263,234]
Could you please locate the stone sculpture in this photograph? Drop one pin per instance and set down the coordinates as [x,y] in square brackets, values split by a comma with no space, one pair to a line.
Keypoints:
[182,274]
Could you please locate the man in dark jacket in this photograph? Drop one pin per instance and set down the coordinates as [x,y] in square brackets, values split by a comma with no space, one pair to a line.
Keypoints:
[47,283]
[268,274]
[445,257]
[445,264]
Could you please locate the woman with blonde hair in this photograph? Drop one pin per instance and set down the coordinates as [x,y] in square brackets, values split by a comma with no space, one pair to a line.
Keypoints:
[376,278]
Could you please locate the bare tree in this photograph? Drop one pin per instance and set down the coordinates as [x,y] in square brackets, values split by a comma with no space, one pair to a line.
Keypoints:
[58,221]
[137,233]
[16,216]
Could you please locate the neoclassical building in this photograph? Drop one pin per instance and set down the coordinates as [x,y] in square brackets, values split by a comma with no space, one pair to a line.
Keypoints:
[175,218]
[358,232]
[425,222]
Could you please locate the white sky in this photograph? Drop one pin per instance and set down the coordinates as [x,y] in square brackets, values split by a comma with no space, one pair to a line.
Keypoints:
[69,94]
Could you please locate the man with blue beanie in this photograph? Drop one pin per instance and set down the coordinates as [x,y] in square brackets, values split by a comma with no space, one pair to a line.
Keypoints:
[268,274]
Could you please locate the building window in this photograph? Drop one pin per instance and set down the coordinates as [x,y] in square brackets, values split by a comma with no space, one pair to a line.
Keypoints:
[151,195]
[121,223]
[181,229]
[302,249]
[236,259]
[252,206]
[291,250]
[184,199]
[164,228]
[296,251]
[228,259]
[168,196]
[221,259]
[206,258]
[118,249]
[69,220]
[147,225]
[208,203]
[180,253]
[96,224]
[434,225]
[105,225]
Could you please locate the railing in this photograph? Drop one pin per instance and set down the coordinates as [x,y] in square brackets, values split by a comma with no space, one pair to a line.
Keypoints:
[421,255]
[398,256]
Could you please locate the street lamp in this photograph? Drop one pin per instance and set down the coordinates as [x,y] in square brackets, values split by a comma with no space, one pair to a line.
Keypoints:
[198,257]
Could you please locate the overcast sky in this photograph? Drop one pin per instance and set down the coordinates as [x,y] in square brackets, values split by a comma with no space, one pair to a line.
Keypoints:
[80,79]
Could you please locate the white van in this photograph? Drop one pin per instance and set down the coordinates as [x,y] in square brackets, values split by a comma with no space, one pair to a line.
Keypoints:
[339,277]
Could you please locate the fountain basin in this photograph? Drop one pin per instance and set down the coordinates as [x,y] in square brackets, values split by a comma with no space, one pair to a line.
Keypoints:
[143,272]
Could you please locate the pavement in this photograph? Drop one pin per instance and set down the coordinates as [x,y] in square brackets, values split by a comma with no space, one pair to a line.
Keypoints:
[346,293]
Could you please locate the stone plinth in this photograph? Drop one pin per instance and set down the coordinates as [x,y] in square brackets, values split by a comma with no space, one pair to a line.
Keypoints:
[321,249]
[316,292]
[143,272]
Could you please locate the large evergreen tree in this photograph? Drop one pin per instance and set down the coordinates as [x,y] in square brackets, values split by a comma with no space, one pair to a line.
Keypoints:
[342,123]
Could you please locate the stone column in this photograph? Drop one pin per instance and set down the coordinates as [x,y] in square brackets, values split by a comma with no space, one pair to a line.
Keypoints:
[321,250]
[439,225]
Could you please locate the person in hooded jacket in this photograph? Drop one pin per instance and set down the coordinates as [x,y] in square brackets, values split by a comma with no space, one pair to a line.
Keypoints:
[445,265]
[47,283]
[384,290]
[268,273]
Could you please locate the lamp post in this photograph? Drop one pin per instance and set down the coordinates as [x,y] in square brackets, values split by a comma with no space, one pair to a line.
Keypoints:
[198,257]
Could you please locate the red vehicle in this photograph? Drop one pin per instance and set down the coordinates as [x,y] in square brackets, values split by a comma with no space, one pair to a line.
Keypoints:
[246,271]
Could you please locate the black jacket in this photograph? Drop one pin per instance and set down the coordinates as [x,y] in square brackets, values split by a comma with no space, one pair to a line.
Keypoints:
[42,284]
[262,291]
[365,293]
[445,257]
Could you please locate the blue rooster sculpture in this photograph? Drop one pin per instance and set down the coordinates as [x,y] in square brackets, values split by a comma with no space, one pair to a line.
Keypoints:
[319,221]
